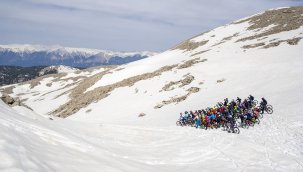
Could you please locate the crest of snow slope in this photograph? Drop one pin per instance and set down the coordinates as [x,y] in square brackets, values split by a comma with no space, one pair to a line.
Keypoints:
[155,143]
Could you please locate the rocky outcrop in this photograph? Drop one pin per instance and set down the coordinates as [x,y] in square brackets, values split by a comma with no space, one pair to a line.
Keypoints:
[10,100]
[226,39]
[293,41]
[141,115]
[183,82]
[200,52]
[191,62]
[282,20]
[253,45]
[189,45]
[221,80]
[177,99]
[7,90]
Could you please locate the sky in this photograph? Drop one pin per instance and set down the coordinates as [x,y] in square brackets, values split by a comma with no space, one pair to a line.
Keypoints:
[120,25]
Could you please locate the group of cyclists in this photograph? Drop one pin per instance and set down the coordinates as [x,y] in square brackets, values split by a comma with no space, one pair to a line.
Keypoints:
[230,115]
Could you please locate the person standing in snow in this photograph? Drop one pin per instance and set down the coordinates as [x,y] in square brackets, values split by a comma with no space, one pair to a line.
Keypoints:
[226,102]
[207,121]
[197,120]
[182,118]
[251,98]
[239,100]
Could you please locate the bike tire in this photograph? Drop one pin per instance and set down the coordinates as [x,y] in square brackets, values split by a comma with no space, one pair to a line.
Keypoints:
[193,124]
[245,125]
[236,130]
[269,110]
[178,123]
[260,115]
[257,121]
[249,123]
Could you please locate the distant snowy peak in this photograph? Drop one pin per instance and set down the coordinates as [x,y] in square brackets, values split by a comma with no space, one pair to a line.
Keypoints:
[28,48]
[39,55]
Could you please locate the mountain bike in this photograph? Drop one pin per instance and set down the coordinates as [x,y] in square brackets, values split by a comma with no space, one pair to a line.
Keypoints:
[234,129]
[268,108]
[180,123]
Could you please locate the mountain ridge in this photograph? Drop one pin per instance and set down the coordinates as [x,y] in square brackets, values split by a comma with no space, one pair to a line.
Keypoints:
[26,55]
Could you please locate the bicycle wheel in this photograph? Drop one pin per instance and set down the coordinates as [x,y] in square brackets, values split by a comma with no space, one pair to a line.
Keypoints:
[202,126]
[269,110]
[257,121]
[245,125]
[236,130]
[193,123]
[260,115]
[178,123]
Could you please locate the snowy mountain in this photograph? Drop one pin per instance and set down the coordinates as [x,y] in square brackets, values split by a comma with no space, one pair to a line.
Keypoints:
[259,55]
[38,55]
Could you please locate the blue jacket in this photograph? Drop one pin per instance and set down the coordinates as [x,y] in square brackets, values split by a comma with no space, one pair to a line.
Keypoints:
[212,116]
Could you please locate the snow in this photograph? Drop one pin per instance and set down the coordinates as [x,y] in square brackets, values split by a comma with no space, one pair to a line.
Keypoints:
[145,65]
[108,135]
[37,97]
[58,69]
[83,73]
[30,142]
[257,65]
[65,69]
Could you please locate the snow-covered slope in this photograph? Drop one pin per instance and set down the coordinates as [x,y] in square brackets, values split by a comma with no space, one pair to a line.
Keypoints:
[39,55]
[58,69]
[30,142]
[259,55]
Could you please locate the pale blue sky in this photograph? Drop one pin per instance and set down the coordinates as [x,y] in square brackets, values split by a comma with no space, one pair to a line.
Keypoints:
[126,25]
